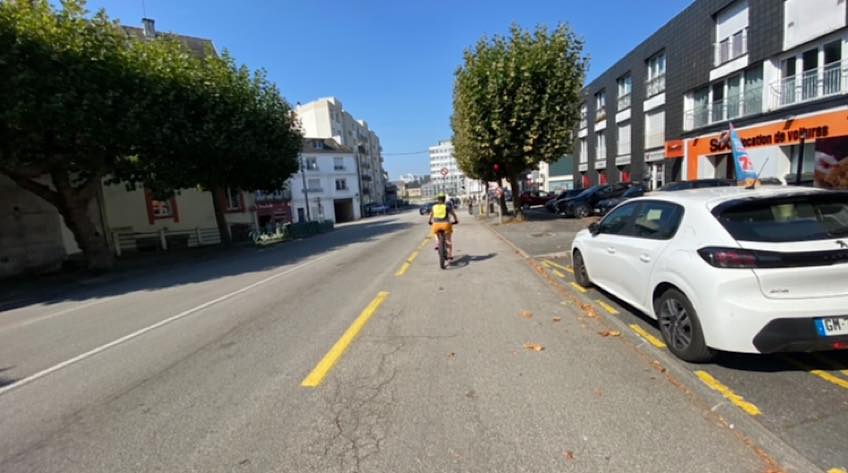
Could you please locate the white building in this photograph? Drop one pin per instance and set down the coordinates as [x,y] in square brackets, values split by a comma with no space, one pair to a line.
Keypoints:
[326,118]
[329,172]
[455,182]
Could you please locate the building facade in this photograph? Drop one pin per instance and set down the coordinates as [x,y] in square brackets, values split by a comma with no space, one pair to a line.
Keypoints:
[327,185]
[777,70]
[558,175]
[326,118]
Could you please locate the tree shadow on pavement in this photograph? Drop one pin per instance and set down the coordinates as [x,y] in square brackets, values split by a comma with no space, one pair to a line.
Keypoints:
[465,260]
[209,266]
[4,381]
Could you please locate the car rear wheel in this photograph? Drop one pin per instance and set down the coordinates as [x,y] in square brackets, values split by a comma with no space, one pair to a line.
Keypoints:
[581,276]
[681,328]
[582,211]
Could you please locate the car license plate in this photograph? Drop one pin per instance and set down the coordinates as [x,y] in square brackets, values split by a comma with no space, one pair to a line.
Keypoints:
[830,326]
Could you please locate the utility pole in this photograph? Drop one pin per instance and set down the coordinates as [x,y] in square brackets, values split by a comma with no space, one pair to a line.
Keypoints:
[305,191]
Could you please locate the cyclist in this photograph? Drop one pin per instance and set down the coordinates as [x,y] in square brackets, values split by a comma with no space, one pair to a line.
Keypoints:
[440,219]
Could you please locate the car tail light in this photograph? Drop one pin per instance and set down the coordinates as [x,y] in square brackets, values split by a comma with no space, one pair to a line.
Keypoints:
[729,257]
[840,346]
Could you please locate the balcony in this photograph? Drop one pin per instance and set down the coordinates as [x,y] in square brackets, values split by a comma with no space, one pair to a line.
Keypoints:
[732,107]
[832,79]
[655,86]
[730,48]
[624,102]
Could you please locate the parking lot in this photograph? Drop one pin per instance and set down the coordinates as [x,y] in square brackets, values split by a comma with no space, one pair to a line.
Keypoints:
[800,398]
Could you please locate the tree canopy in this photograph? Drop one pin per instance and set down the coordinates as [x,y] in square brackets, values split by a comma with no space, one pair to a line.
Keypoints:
[83,100]
[516,102]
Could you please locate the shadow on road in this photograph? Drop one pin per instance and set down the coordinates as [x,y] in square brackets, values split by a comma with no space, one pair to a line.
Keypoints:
[209,266]
[465,260]
[4,381]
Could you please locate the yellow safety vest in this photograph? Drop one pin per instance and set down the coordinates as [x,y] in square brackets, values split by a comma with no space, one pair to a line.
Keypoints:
[440,212]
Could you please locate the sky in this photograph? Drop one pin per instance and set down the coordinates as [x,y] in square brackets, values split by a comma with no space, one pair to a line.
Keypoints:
[390,62]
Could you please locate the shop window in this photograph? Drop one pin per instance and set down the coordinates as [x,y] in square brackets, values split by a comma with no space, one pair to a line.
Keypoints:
[602,178]
[808,166]
[624,175]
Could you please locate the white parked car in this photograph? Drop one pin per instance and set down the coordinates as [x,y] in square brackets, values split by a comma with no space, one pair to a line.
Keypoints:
[745,270]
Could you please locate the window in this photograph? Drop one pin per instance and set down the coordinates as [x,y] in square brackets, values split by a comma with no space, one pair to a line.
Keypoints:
[313,185]
[158,209]
[624,138]
[797,218]
[341,184]
[338,164]
[701,111]
[625,86]
[583,116]
[317,144]
[618,221]
[657,220]
[833,69]
[233,199]
[718,103]
[600,105]
[600,146]
[312,163]
[752,95]
[584,152]
[817,72]
[655,129]
[731,32]
[656,74]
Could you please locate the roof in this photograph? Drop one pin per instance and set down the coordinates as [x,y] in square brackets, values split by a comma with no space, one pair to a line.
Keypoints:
[712,196]
[197,46]
[328,145]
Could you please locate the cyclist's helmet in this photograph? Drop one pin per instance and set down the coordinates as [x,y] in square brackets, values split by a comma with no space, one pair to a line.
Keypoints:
[441,197]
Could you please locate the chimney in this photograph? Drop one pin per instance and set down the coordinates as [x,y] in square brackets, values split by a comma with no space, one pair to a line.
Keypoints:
[149,28]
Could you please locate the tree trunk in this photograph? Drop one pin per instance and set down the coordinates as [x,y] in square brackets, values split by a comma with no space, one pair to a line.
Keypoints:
[502,198]
[518,212]
[72,203]
[218,196]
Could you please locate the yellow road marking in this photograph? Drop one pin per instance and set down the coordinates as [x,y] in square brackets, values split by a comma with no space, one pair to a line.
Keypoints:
[728,394]
[558,273]
[332,357]
[400,272]
[547,264]
[564,268]
[647,336]
[579,287]
[569,269]
[837,470]
[412,257]
[610,309]
[830,363]
[423,243]
[821,374]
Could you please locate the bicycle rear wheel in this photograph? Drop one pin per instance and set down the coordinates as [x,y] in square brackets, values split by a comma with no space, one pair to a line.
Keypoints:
[443,251]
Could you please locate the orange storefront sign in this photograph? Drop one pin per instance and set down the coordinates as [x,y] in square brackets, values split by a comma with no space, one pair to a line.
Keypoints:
[783,133]
[674,149]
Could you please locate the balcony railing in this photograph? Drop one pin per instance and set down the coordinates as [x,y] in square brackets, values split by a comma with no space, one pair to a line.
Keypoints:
[734,106]
[624,102]
[831,79]
[730,48]
[655,85]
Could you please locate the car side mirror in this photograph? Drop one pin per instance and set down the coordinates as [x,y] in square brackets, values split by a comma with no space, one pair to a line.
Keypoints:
[594,228]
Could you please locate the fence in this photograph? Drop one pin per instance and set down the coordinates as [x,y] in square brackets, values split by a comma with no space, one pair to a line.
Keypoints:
[164,240]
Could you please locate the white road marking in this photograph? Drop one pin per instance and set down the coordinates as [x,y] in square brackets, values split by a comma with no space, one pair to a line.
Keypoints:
[149,328]
[30,321]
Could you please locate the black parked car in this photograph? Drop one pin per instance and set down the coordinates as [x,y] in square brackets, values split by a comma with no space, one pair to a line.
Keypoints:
[696,184]
[584,204]
[425,209]
[551,204]
[604,206]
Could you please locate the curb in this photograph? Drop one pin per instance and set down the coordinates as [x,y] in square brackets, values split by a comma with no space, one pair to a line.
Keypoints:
[767,445]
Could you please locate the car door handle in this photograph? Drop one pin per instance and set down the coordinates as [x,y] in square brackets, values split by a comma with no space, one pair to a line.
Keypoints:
[610,250]
[645,258]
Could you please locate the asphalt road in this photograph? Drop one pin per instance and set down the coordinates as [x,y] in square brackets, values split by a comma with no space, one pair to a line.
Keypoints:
[201,368]
[801,398]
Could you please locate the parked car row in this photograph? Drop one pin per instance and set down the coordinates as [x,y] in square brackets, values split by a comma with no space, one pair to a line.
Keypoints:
[727,268]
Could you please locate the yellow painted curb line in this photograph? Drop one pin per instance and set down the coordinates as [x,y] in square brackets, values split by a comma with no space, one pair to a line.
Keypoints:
[821,374]
[837,470]
[728,394]
[558,273]
[579,288]
[564,268]
[610,309]
[400,272]
[647,336]
[412,257]
[332,357]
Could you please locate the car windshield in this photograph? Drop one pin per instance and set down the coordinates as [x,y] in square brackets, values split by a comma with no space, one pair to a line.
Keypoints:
[805,217]
[632,192]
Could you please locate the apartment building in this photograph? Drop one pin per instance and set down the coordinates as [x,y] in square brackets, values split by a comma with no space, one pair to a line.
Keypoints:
[327,185]
[454,182]
[327,118]
[777,70]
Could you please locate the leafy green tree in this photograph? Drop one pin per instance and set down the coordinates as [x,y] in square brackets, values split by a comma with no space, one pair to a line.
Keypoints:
[82,101]
[516,103]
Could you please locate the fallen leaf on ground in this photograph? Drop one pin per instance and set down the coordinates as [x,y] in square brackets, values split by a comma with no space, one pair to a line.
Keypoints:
[568,455]
[526,314]
[609,333]
[533,347]
[597,392]
[451,355]
[657,366]
[588,310]
[557,319]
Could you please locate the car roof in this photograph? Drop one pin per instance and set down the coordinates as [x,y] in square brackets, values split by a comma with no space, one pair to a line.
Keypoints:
[713,196]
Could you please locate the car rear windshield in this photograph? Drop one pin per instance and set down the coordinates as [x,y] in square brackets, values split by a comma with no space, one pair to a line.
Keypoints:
[818,216]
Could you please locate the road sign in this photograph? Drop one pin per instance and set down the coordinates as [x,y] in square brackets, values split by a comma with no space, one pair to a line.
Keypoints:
[445,172]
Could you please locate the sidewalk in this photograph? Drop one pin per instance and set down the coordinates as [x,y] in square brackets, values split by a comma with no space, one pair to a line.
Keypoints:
[542,233]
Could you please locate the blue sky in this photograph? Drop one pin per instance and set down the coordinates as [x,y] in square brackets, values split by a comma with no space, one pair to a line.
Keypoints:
[389,62]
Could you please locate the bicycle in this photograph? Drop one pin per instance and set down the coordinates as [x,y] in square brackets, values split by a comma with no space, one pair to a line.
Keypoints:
[443,248]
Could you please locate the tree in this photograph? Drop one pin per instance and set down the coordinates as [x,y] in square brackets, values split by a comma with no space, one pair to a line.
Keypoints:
[516,103]
[83,101]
